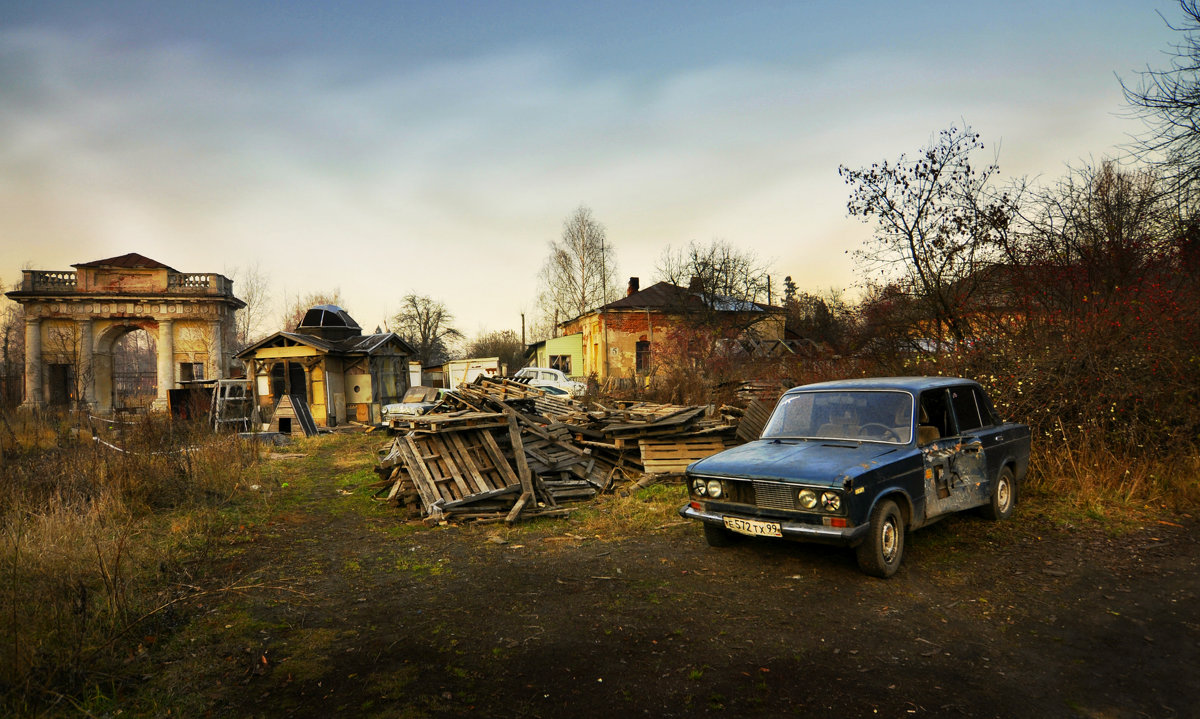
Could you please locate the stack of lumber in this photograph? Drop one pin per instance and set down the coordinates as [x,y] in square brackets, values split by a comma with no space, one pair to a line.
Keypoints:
[652,438]
[765,390]
[486,466]
[504,450]
[754,420]
[501,389]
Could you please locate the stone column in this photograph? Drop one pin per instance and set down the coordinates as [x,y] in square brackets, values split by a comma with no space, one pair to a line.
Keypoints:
[216,351]
[33,363]
[166,364]
[86,378]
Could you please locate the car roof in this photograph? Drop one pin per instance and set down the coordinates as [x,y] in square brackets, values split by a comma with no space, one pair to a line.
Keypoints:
[907,384]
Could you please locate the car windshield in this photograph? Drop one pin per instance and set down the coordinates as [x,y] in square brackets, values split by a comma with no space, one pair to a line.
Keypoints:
[859,415]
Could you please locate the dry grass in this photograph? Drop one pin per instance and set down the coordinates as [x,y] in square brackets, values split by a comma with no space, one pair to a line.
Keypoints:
[1086,473]
[91,542]
[630,511]
[97,546]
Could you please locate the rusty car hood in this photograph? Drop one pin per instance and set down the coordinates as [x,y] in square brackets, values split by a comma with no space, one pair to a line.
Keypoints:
[809,461]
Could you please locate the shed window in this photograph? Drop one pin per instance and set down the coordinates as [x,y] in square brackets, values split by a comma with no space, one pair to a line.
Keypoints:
[561,363]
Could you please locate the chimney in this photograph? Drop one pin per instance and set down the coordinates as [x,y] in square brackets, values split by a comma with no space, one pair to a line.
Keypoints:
[634,285]
[696,284]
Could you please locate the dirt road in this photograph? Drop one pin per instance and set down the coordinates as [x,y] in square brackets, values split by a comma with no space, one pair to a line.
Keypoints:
[354,614]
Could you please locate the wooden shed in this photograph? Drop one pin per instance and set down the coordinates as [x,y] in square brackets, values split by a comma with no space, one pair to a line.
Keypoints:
[342,374]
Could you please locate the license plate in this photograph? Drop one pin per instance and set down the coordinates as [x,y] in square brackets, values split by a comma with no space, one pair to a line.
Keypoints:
[753,527]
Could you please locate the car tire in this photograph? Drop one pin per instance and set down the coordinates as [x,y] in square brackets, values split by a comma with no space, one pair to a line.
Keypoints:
[718,536]
[882,551]
[1004,496]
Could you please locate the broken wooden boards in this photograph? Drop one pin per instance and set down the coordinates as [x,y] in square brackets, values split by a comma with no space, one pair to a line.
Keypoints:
[754,420]
[504,450]
[480,465]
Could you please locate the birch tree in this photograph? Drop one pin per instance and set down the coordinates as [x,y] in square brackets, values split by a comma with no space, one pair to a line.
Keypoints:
[579,274]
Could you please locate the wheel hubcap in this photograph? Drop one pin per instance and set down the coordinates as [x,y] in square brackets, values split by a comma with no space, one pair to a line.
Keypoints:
[888,541]
[1002,496]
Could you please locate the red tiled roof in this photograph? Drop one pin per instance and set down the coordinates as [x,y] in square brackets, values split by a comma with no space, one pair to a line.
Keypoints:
[130,261]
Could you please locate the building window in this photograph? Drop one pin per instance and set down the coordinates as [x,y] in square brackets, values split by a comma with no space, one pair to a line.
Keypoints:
[643,356]
[561,363]
[189,371]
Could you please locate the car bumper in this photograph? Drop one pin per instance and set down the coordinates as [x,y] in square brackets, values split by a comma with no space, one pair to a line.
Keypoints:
[847,536]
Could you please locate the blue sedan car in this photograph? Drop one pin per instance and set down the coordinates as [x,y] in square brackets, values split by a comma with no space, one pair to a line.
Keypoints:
[859,462]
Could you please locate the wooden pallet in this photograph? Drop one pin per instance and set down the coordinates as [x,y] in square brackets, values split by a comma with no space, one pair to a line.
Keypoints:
[668,456]
[754,420]
[449,422]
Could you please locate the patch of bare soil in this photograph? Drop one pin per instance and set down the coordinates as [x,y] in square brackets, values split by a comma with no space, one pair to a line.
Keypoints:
[1015,619]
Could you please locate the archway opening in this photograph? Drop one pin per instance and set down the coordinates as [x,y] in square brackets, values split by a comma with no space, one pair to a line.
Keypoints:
[134,370]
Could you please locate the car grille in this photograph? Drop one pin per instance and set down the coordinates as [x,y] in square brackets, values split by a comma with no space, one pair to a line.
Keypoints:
[774,496]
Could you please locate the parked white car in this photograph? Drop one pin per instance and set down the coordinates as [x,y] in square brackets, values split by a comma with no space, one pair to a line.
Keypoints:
[546,377]
[416,401]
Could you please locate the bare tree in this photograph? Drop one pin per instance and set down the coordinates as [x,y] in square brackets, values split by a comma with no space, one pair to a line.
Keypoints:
[938,222]
[505,344]
[253,287]
[1098,231]
[65,352]
[12,351]
[722,282]
[823,317]
[579,274]
[1168,102]
[425,323]
[295,310]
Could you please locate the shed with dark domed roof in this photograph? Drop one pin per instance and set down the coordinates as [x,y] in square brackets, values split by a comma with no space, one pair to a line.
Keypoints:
[343,375]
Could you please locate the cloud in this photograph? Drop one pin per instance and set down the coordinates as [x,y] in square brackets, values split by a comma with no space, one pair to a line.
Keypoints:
[447,176]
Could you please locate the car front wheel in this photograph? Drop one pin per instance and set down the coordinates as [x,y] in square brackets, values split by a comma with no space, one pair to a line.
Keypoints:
[881,552]
[717,536]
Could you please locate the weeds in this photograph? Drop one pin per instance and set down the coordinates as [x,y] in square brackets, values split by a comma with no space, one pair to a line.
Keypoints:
[1089,474]
[630,512]
[94,521]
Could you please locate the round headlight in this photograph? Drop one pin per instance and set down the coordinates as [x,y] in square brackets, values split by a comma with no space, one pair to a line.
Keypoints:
[699,487]
[831,502]
[714,488]
[808,498]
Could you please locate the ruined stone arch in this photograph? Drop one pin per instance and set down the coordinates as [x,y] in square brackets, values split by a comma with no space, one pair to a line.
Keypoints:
[103,364]
[191,316]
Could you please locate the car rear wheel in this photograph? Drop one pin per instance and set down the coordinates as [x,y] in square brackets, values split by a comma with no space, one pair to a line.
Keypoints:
[1004,496]
[718,536]
[881,552]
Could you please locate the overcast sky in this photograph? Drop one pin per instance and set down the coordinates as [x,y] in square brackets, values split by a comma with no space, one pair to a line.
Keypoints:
[384,148]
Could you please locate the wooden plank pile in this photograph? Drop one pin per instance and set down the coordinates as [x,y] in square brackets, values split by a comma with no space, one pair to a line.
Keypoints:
[641,437]
[754,419]
[505,450]
[479,464]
